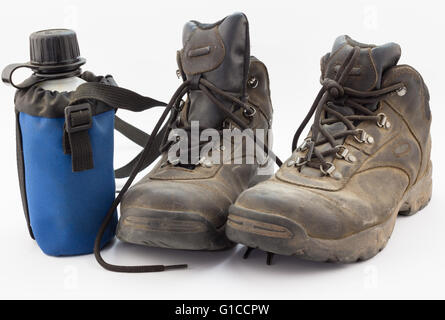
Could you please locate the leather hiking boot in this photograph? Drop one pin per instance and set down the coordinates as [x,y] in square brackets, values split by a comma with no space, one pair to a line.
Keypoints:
[365,160]
[183,204]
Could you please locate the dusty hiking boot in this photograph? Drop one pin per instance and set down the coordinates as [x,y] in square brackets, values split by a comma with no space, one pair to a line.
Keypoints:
[366,159]
[184,204]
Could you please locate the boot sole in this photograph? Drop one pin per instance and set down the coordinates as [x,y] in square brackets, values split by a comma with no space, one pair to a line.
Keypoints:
[277,234]
[173,230]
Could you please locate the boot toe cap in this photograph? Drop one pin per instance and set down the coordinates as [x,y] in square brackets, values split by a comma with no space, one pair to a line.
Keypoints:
[315,214]
[174,214]
[176,197]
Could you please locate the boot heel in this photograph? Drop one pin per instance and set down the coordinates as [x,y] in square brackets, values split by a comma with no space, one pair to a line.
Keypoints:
[420,194]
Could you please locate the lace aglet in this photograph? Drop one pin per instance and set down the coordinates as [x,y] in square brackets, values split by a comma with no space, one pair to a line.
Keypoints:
[176,266]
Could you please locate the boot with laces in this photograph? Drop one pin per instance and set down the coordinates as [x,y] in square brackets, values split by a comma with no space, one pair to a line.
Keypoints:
[365,160]
[183,204]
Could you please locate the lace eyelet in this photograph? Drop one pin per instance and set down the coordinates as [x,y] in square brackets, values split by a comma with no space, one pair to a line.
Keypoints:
[343,153]
[297,162]
[173,162]
[250,113]
[363,137]
[304,146]
[402,91]
[204,162]
[330,171]
[360,136]
[383,121]
[253,82]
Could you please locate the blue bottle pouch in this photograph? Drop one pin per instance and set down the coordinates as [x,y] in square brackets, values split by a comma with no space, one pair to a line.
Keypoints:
[65,153]
[65,143]
[64,201]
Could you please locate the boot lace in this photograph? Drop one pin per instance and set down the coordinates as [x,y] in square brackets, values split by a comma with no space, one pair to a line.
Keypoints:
[331,100]
[173,108]
[214,94]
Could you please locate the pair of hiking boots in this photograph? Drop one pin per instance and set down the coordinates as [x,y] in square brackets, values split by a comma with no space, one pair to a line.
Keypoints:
[365,160]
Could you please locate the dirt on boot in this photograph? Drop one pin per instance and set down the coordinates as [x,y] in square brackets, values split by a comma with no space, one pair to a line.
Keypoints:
[183,204]
[366,159]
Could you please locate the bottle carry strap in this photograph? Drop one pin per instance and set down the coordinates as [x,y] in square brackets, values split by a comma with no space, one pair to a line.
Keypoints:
[137,136]
[76,136]
[140,138]
[78,119]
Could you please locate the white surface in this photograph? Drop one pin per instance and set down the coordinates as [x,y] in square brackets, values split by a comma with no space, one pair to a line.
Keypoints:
[61,85]
[137,43]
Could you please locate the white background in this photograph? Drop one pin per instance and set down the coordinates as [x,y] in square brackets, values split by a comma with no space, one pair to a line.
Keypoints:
[137,43]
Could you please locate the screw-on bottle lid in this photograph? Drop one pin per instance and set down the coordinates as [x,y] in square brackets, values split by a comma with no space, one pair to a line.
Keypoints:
[56,48]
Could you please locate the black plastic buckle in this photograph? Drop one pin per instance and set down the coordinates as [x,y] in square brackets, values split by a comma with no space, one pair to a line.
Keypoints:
[72,110]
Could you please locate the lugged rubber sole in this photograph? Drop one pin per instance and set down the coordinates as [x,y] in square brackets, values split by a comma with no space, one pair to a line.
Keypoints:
[174,230]
[277,234]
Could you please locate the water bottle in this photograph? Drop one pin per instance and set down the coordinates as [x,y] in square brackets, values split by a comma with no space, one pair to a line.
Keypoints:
[64,150]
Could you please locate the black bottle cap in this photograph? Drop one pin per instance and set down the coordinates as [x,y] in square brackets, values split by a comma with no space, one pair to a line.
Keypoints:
[55,50]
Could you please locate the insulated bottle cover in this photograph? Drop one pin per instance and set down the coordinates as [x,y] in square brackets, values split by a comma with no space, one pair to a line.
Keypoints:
[64,151]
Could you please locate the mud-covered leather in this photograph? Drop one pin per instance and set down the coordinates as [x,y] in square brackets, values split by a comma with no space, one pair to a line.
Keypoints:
[208,191]
[370,188]
[208,197]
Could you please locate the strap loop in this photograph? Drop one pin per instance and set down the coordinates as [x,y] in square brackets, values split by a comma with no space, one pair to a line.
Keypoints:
[78,118]
[36,77]
[76,140]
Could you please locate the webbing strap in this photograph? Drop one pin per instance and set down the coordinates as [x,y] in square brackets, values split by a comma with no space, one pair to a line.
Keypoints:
[76,140]
[140,138]
[115,97]
[131,132]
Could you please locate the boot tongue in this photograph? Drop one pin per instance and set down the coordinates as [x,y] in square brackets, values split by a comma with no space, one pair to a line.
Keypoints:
[369,66]
[220,53]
